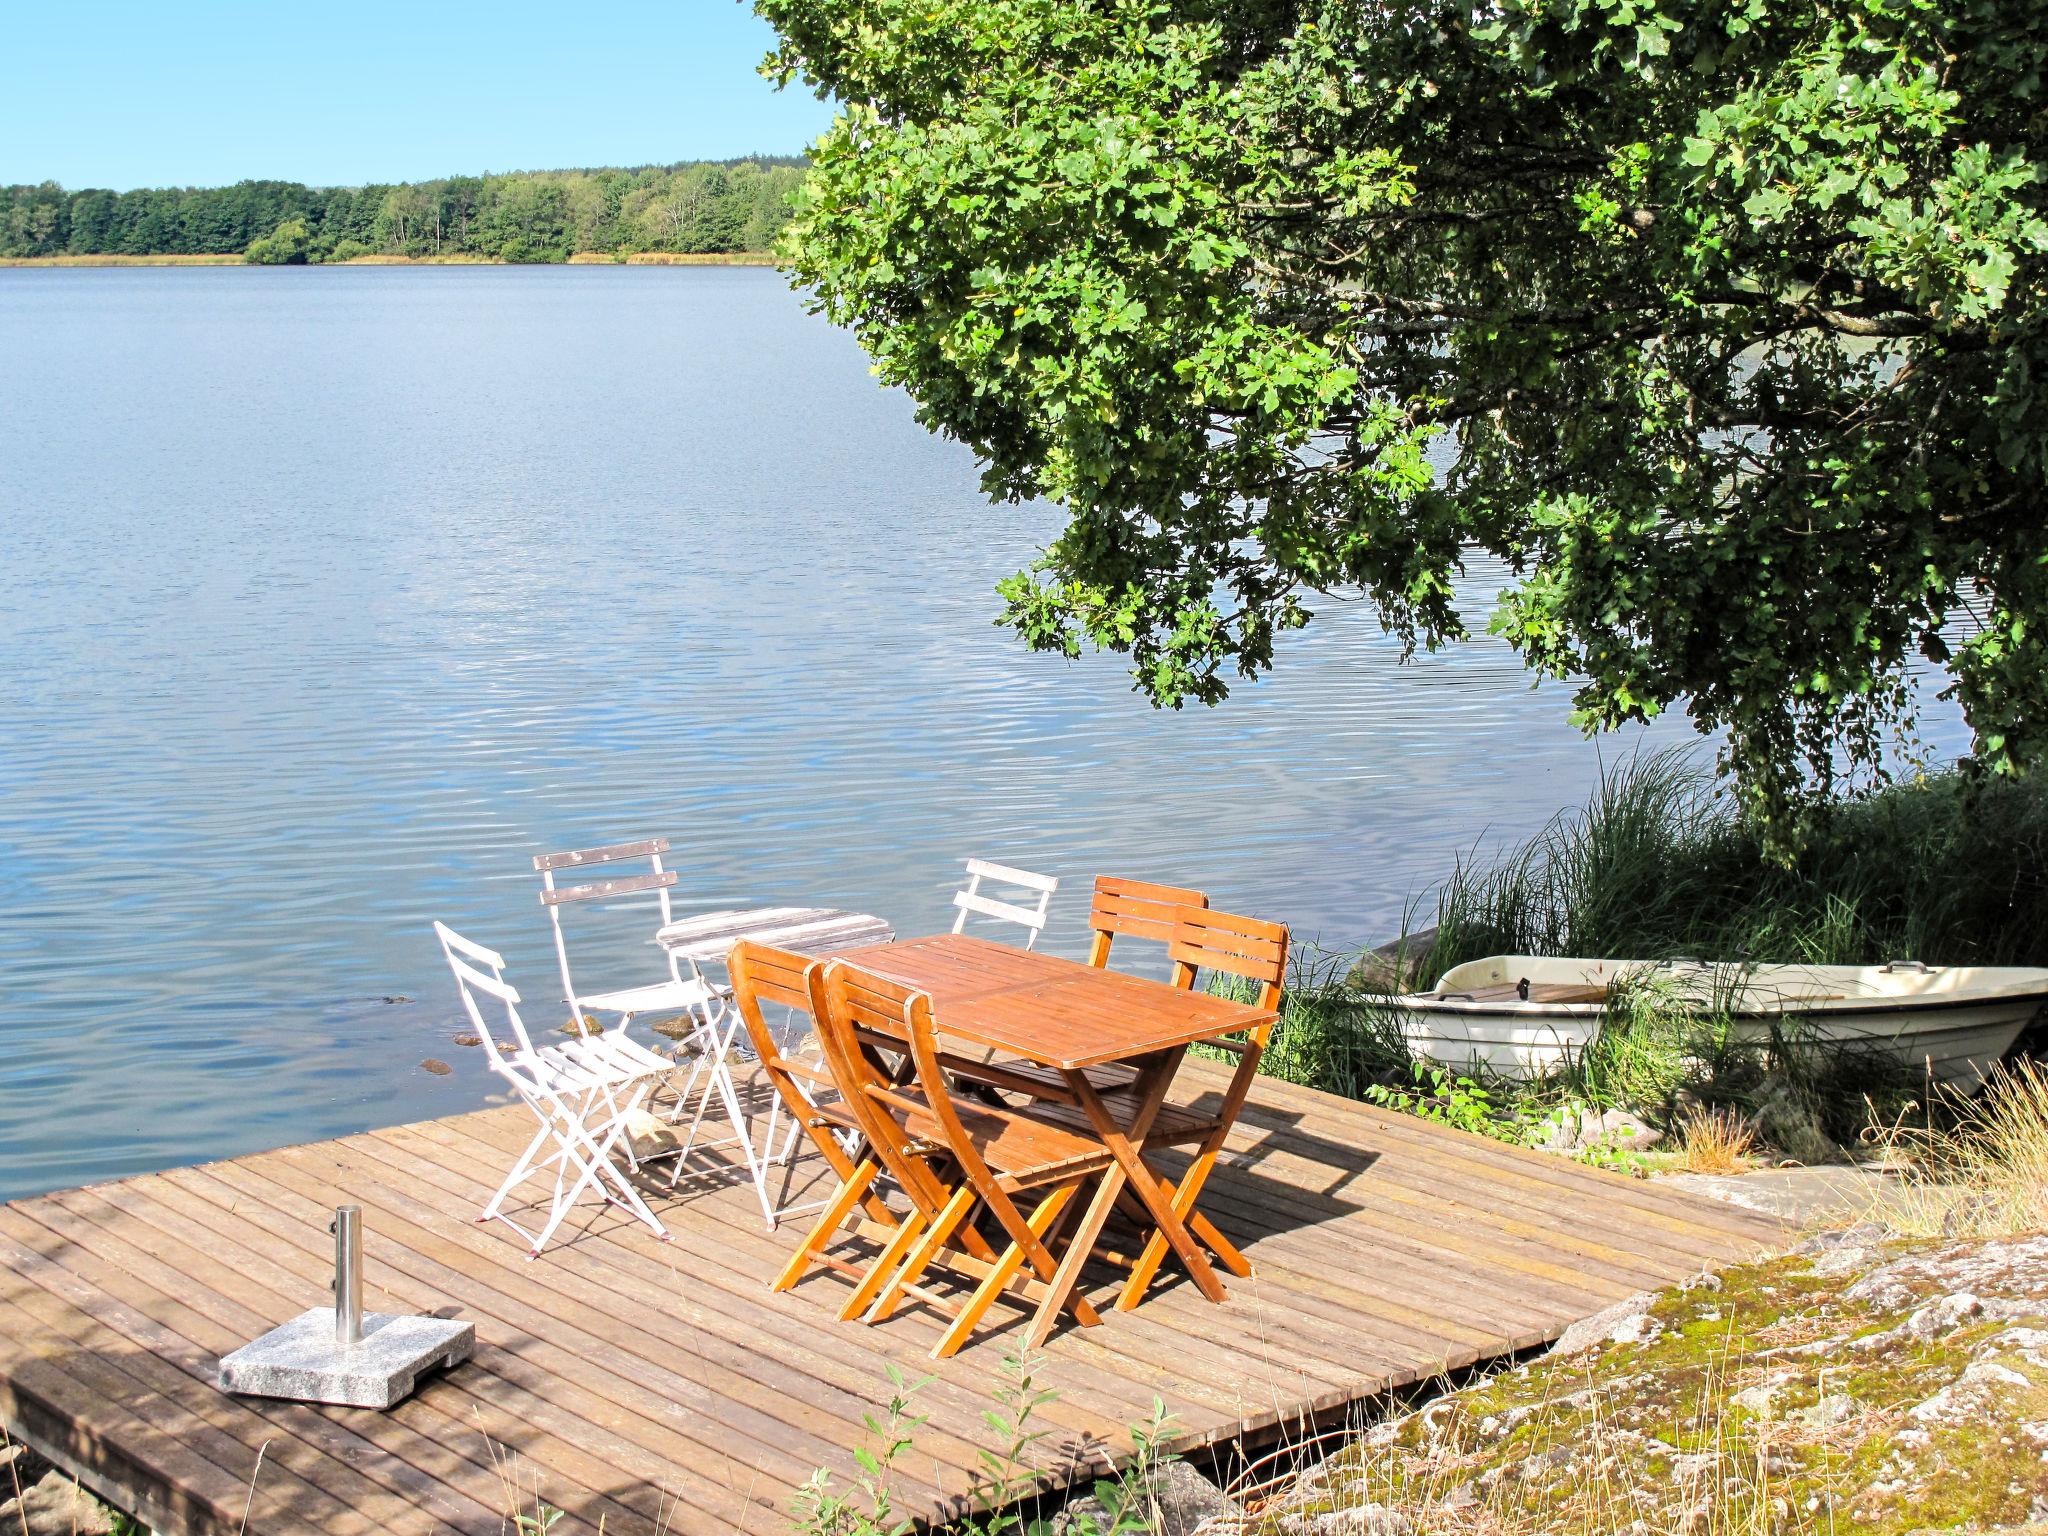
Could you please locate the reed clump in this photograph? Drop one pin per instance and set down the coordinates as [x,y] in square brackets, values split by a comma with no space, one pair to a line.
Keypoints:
[1715,1139]
[1947,868]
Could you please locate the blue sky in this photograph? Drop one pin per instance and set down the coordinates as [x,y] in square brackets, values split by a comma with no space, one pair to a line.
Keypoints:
[112,93]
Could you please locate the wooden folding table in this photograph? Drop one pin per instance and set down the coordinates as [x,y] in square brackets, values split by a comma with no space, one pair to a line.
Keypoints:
[1070,1017]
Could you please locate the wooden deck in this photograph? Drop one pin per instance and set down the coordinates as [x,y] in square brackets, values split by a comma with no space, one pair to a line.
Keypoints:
[656,1387]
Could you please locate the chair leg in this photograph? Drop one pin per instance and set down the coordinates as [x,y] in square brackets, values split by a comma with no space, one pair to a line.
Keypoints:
[1005,1270]
[1226,1252]
[1183,1203]
[850,1191]
[885,1264]
[628,1196]
[574,1137]
[955,1211]
[520,1170]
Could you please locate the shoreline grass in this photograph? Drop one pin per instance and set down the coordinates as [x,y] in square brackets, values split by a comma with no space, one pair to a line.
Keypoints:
[1656,866]
[233,259]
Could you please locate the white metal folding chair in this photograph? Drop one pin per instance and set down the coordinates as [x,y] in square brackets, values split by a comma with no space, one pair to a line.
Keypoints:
[679,993]
[581,1091]
[1031,916]
[714,1022]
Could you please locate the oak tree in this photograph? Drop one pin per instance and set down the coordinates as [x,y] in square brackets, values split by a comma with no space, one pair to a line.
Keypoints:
[1721,322]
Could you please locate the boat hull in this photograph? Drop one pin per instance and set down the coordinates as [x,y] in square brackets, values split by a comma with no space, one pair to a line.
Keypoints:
[1949,1026]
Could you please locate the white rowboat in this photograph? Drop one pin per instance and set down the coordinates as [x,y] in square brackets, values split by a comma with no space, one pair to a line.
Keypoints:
[1519,1016]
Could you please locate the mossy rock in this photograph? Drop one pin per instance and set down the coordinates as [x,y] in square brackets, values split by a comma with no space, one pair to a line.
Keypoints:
[1861,1383]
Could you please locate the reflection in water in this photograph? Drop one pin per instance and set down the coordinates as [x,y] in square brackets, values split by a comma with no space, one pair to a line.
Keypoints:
[334,595]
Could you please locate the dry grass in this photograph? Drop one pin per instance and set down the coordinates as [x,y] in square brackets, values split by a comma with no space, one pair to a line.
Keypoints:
[233,259]
[1987,1178]
[454,259]
[699,259]
[1715,1140]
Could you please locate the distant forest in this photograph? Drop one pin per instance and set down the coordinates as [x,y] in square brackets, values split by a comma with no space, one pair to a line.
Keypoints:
[706,207]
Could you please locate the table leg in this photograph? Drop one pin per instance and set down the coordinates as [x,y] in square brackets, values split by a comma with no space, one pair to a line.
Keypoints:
[1182,1199]
[1157,1194]
[1079,1246]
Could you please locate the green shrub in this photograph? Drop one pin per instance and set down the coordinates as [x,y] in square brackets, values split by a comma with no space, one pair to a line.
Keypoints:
[285,246]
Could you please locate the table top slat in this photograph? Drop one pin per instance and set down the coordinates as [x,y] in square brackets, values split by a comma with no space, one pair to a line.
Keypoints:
[1056,1012]
[807,930]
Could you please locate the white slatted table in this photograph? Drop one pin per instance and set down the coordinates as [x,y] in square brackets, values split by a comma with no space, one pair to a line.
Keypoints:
[806,930]
[707,939]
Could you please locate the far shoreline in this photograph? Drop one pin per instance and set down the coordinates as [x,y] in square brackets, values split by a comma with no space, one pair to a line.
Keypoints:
[580,259]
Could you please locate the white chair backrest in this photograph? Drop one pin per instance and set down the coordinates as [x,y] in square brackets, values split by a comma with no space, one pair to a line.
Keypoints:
[483,970]
[1030,912]
[554,897]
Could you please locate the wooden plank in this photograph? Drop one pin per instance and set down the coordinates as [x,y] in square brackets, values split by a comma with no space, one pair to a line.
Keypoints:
[813,931]
[1009,874]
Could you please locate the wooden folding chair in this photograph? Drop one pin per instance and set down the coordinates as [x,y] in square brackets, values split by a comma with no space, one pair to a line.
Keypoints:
[842,1009]
[1001,1154]
[1249,947]
[762,974]
[991,1156]
[1134,908]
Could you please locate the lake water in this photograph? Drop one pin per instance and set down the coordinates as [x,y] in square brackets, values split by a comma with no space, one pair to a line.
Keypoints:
[331,596]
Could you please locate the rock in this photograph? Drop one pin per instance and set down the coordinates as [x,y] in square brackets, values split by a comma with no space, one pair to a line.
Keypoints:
[1626,1322]
[1758,1399]
[1575,1129]
[1460,1497]
[2030,1344]
[1942,1317]
[1788,1117]
[1360,1520]
[55,1506]
[1183,1503]
[19,1468]
[436,1066]
[1969,1394]
[1843,1261]
[1862,1235]
[2009,1269]
[1833,1409]
[1395,965]
[1800,1195]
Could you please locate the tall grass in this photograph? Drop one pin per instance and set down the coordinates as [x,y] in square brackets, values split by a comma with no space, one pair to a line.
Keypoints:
[1656,866]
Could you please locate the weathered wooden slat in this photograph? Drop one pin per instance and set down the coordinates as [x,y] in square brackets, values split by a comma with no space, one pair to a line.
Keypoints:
[1009,874]
[610,854]
[625,885]
[650,1386]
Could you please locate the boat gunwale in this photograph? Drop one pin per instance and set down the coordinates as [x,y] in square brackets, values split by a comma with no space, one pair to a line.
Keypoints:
[2029,984]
